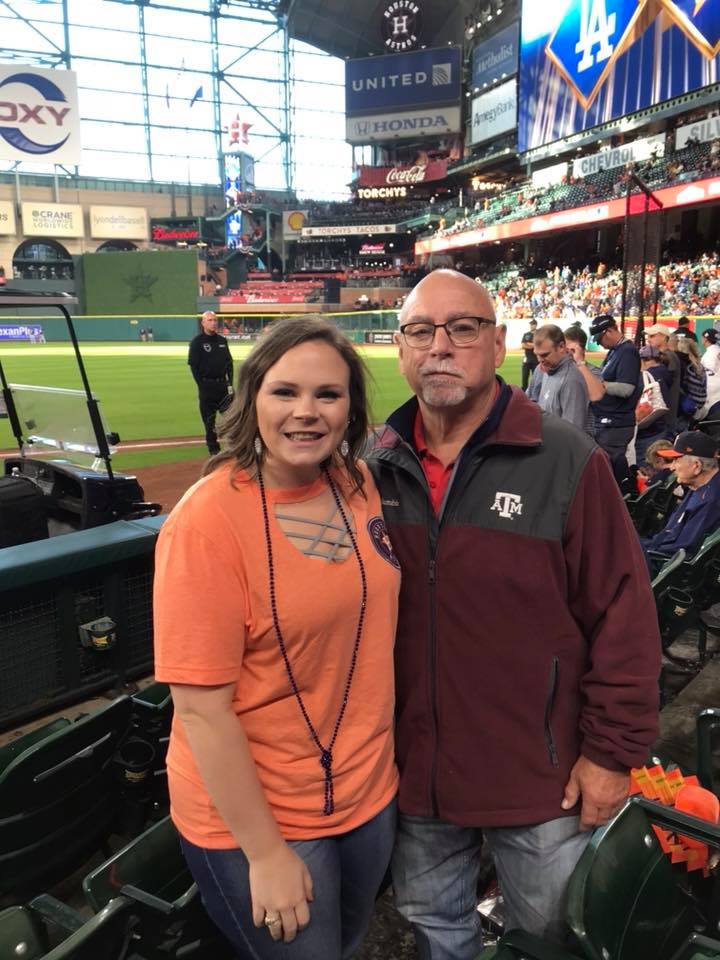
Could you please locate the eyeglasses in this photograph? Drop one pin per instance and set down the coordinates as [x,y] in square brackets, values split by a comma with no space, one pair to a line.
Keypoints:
[460,331]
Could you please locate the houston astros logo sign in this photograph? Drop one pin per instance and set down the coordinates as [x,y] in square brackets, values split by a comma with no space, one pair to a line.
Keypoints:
[401,23]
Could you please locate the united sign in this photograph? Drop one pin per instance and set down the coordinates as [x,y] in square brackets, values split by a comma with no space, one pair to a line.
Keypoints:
[39,119]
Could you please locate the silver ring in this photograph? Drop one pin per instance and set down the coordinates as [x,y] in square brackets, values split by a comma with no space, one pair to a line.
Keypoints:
[270,921]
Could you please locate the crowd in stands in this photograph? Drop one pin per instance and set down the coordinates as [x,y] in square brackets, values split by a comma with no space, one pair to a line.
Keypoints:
[524,200]
[690,287]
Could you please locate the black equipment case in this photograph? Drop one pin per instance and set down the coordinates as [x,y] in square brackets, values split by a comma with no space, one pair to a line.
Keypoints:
[23,512]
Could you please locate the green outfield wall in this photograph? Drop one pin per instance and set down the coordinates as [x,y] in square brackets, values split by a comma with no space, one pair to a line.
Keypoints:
[141,283]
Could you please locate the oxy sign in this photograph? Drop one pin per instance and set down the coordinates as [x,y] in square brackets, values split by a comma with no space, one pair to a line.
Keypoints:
[39,117]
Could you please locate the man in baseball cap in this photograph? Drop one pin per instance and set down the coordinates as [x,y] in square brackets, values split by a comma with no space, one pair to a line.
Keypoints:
[614,395]
[694,460]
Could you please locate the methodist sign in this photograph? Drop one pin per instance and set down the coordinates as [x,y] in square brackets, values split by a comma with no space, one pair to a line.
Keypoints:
[407,95]
[497,58]
[39,118]
[619,156]
[127,223]
[7,217]
[52,220]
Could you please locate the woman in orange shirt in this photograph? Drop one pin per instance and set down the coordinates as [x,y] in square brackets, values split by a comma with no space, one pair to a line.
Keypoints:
[275,610]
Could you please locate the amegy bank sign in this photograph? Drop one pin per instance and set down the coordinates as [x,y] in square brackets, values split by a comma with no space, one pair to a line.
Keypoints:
[39,117]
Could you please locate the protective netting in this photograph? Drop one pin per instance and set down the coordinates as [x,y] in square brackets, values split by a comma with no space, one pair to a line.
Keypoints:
[642,246]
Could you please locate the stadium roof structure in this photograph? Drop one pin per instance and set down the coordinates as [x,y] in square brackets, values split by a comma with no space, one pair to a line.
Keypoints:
[345,29]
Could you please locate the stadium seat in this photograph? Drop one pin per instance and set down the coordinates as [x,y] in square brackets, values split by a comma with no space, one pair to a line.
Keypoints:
[706,726]
[685,589]
[650,510]
[626,900]
[24,936]
[58,797]
[151,871]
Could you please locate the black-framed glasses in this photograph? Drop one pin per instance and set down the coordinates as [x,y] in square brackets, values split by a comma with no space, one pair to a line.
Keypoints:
[460,331]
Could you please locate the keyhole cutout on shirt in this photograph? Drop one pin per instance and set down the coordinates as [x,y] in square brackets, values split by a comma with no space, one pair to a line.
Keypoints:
[315,527]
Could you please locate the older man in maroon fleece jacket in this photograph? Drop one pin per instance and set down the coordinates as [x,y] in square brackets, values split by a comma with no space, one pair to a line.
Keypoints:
[527,653]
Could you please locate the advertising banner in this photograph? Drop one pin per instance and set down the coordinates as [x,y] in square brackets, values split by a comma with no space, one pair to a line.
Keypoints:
[7,217]
[619,156]
[549,175]
[39,117]
[496,58]
[52,220]
[127,223]
[401,81]
[494,112]
[351,230]
[174,229]
[31,332]
[588,62]
[702,131]
[394,176]
[396,126]
[293,222]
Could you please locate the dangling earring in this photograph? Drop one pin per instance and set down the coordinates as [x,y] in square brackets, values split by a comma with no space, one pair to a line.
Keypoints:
[258,444]
[344,449]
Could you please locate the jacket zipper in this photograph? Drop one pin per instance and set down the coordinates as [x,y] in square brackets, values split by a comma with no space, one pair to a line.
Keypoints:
[432,656]
[554,667]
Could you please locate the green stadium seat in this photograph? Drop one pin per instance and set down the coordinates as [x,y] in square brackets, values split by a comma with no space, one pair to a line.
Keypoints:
[697,947]
[16,747]
[107,936]
[684,589]
[151,871]
[21,935]
[626,901]
[650,510]
[706,725]
[58,798]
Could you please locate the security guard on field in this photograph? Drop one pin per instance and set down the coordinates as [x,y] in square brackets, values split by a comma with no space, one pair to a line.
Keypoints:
[212,367]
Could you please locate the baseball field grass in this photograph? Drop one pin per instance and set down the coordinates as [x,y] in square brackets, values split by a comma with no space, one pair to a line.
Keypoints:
[146,391]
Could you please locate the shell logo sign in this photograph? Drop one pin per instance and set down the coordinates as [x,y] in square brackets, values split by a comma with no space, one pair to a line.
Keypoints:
[293,222]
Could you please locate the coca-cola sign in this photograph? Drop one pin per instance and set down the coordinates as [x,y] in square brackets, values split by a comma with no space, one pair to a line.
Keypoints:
[394,176]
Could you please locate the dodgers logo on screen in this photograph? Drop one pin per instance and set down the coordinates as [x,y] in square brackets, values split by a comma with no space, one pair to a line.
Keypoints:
[30,117]
[589,39]
[700,22]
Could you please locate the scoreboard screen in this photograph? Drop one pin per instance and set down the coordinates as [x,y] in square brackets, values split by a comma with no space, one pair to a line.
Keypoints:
[587,62]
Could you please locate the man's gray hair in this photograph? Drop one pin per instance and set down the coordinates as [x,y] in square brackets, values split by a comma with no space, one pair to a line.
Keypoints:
[707,463]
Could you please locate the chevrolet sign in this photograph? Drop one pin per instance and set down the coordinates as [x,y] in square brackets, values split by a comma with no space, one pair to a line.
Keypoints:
[399,126]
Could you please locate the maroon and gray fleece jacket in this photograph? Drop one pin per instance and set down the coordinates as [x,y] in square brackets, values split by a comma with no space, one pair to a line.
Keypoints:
[527,632]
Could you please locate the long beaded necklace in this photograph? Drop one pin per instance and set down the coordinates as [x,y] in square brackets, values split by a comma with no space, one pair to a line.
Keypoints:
[326,755]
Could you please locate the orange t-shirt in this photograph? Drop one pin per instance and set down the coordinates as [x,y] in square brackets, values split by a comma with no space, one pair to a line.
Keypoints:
[213,625]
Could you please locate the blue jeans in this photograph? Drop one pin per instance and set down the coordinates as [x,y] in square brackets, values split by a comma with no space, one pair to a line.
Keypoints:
[346,872]
[435,871]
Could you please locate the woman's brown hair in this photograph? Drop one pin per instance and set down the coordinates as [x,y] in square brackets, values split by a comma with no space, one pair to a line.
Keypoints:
[239,426]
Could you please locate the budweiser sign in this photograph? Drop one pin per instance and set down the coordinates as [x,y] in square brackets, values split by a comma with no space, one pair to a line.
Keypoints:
[395,176]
